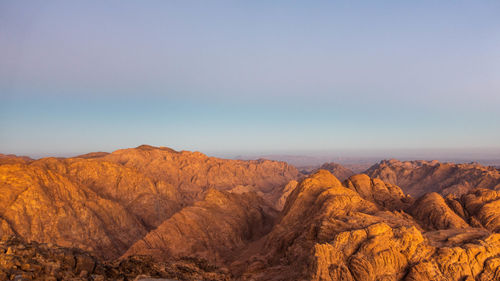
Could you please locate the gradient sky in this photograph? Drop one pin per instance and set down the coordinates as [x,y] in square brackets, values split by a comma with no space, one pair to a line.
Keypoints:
[249,76]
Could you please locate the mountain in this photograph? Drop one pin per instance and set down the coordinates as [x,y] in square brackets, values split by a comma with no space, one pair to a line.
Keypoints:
[420,177]
[107,202]
[337,170]
[12,159]
[342,231]
[215,228]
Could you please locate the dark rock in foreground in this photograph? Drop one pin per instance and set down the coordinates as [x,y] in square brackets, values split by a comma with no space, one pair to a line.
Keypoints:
[20,260]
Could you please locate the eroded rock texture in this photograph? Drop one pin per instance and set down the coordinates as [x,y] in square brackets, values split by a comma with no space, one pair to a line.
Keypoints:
[420,177]
[334,231]
[106,202]
[215,229]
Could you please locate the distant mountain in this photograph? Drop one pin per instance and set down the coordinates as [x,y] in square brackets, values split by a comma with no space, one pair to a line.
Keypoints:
[10,158]
[420,177]
[310,163]
[337,170]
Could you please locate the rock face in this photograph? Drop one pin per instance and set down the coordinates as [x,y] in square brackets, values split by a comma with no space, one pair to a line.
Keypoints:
[339,171]
[419,177]
[215,229]
[481,208]
[106,202]
[375,190]
[191,172]
[433,213]
[334,231]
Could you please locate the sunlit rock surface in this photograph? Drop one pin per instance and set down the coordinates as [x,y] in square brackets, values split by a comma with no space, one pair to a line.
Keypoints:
[106,202]
[329,231]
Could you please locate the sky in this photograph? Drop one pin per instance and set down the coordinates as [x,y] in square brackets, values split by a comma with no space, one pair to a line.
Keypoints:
[236,77]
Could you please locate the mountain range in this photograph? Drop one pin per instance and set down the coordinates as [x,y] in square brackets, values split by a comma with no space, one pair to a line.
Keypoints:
[153,212]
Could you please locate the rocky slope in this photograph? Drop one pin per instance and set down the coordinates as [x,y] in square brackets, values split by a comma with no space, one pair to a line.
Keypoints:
[215,229]
[420,177]
[20,260]
[330,231]
[12,159]
[191,172]
[106,202]
[361,229]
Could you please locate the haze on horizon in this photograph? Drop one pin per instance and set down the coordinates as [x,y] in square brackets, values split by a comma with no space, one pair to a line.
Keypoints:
[228,77]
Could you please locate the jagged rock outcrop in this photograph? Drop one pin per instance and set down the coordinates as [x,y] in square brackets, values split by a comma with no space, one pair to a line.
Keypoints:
[375,190]
[106,202]
[479,208]
[339,171]
[483,208]
[318,210]
[419,177]
[433,213]
[334,231]
[468,260]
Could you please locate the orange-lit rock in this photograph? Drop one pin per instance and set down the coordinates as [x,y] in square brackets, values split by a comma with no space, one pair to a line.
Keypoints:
[419,177]
[375,190]
[433,213]
[215,229]
[106,202]
[329,231]
[483,208]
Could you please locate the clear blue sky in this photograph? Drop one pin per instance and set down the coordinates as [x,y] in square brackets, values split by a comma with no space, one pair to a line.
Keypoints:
[248,76]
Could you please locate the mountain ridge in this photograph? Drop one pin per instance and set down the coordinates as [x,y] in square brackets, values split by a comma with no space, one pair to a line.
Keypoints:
[419,176]
[113,194]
